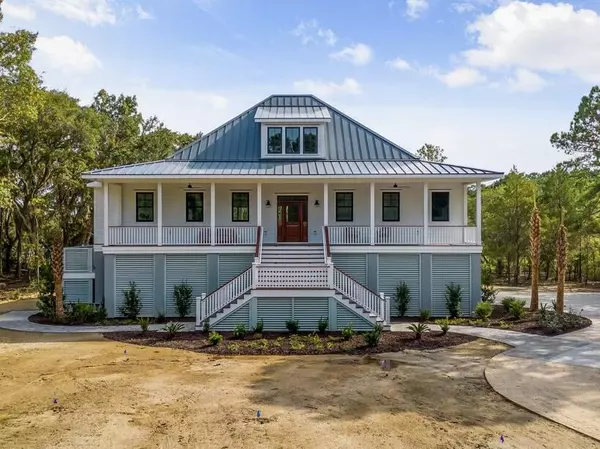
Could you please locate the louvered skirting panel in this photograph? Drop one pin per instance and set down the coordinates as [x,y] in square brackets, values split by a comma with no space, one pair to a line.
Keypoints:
[395,269]
[444,270]
[308,311]
[354,265]
[274,312]
[139,269]
[240,316]
[190,268]
[346,316]
[78,290]
[78,259]
[231,265]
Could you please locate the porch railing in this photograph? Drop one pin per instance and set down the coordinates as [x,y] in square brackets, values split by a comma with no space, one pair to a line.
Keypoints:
[452,235]
[349,235]
[132,235]
[398,235]
[190,235]
[403,235]
[236,235]
[270,276]
[181,235]
[224,295]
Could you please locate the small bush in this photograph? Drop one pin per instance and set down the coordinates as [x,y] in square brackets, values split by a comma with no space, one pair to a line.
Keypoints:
[488,293]
[517,309]
[323,324]
[373,337]
[543,310]
[101,314]
[557,322]
[260,325]
[215,338]
[46,304]
[402,298]
[418,329]
[453,299]
[76,312]
[506,302]
[183,299]
[425,314]
[240,331]
[132,302]
[292,326]
[206,326]
[172,328]
[444,325]
[144,323]
[161,318]
[348,332]
[483,310]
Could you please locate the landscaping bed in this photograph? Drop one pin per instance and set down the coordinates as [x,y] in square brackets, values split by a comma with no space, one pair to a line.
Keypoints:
[68,321]
[283,343]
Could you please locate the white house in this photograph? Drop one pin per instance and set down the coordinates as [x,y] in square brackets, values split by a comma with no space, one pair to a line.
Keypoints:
[292,209]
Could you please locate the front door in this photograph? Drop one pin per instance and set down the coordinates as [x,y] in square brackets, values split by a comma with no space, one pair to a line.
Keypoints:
[292,219]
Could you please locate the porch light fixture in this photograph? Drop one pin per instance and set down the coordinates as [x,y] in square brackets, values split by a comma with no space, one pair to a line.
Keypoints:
[268,203]
[189,186]
[317,204]
[395,186]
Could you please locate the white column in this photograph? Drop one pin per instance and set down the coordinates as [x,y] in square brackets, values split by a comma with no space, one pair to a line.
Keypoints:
[425,214]
[105,209]
[372,213]
[466,205]
[213,227]
[259,204]
[159,209]
[478,213]
[325,204]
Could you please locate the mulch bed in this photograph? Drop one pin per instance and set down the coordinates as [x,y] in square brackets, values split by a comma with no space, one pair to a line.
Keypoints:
[282,343]
[40,319]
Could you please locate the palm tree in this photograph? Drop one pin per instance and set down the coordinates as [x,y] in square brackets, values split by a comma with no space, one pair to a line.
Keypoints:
[561,265]
[534,244]
[58,270]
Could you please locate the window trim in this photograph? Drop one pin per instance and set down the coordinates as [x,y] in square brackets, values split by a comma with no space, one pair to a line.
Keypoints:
[301,155]
[233,220]
[351,207]
[186,207]
[282,130]
[431,192]
[383,207]
[137,205]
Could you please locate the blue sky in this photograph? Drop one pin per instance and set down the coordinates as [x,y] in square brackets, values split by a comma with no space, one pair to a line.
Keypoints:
[488,80]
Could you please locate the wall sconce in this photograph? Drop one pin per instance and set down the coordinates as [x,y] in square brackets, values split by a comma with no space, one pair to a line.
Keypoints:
[395,186]
[317,204]
[189,186]
[268,203]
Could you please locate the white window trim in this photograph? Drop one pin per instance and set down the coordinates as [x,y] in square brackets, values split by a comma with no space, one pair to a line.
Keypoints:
[431,192]
[320,141]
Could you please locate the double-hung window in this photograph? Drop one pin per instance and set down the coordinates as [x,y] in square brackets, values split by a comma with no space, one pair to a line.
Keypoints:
[194,206]
[440,206]
[344,206]
[390,206]
[144,207]
[240,206]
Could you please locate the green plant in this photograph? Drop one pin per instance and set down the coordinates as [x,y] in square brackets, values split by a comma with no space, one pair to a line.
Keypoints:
[161,317]
[172,328]
[373,337]
[418,329]
[296,344]
[483,310]
[323,324]
[554,305]
[444,325]
[292,326]
[144,323]
[132,302]
[488,293]
[506,302]
[453,299]
[206,327]
[348,332]
[101,314]
[543,310]
[233,347]
[77,312]
[183,299]
[16,295]
[517,309]
[424,314]
[240,331]
[402,298]
[215,338]
[315,341]
[47,306]
[260,325]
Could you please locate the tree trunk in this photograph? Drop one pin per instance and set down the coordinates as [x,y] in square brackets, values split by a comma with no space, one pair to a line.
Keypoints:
[534,243]
[58,271]
[561,261]
[19,250]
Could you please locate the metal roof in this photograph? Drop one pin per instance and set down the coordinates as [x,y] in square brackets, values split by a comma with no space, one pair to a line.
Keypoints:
[314,168]
[291,113]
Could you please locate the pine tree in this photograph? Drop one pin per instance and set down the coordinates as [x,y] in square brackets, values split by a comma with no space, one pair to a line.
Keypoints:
[534,244]
[561,266]
[58,270]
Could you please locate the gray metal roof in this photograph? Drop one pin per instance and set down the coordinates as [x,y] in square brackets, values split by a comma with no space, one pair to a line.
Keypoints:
[292,113]
[315,168]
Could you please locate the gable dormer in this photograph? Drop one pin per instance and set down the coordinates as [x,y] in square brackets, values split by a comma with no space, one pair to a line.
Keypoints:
[293,132]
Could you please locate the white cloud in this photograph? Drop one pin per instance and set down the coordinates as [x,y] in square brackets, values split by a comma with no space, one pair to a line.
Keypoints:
[463,7]
[526,81]
[66,55]
[142,14]
[462,77]
[359,54]
[328,88]
[414,8]
[399,64]
[92,12]
[542,37]
[310,31]
[21,12]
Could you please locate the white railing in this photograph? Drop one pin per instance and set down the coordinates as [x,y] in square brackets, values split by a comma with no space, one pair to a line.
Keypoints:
[398,235]
[361,295]
[272,276]
[189,235]
[452,235]
[132,235]
[349,235]
[236,235]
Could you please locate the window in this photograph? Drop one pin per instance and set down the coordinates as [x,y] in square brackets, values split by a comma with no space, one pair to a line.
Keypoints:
[240,206]
[274,140]
[144,206]
[440,206]
[292,140]
[344,206]
[390,206]
[310,145]
[194,206]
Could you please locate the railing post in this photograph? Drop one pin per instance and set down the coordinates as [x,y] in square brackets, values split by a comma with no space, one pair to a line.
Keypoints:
[198,313]
[330,275]
[478,214]
[425,214]
[105,213]
[254,275]
[388,311]
[382,305]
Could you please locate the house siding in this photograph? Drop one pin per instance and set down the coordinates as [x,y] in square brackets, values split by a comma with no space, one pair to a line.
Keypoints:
[190,268]
[232,265]
[238,316]
[78,259]
[444,270]
[274,312]
[138,269]
[345,317]
[78,290]
[354,265]
[397,268]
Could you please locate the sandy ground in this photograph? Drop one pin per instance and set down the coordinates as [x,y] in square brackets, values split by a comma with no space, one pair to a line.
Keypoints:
[171,399]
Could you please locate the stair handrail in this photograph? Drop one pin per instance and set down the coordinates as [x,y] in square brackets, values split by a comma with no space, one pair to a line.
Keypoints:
[224,295]
[361,295]
[326,245]
[258,246]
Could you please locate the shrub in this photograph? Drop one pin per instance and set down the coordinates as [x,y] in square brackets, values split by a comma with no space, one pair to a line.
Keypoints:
[373,337]
[101,314]
[183,299]
[215,338]
[543,310]
[161,317]
[418,329]
[323,324]
[488,293]
[260,325]
[402,298]
[517,309]
[144,323]
[444,325]
[132,302]
[172,328]
[206,326]
[46,304]
[483,310]
[453,299]
[425,314]
[558,322]
[76,312]
[348,332]
[506,302]
[292,326]
[239,331]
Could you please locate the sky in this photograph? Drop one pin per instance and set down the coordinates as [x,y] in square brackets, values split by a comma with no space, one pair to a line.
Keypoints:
[487,80]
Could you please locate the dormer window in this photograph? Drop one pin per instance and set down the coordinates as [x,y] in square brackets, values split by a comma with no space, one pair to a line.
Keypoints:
[310,140]
[274,139]
[292,140]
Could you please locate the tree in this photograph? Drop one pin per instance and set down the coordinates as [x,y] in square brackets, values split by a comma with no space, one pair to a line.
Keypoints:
[534,242]
[58,269]
[431,153]
[561,262]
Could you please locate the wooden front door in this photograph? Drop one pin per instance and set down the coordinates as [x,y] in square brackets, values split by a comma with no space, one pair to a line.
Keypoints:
[292,219]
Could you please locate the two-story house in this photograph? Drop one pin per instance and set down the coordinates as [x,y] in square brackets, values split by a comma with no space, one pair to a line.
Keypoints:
[292,209]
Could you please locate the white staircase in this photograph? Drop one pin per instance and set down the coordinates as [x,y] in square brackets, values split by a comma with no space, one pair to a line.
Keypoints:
[296,255]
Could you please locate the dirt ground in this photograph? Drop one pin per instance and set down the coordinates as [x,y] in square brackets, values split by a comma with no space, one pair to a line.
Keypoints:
[112,395]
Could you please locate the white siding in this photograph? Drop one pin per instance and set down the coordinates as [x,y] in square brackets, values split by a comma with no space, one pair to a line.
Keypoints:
[189,268]
[447,268]
[138,269]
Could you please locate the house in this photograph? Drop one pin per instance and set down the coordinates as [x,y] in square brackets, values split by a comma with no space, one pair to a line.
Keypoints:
[292,209]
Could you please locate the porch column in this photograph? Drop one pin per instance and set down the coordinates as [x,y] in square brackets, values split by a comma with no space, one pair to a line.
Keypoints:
[478,213]
[425,214]
[213,228]
[159,209]
[325,204]
[105,210]
[259,204]
[372,213]
[466,205]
